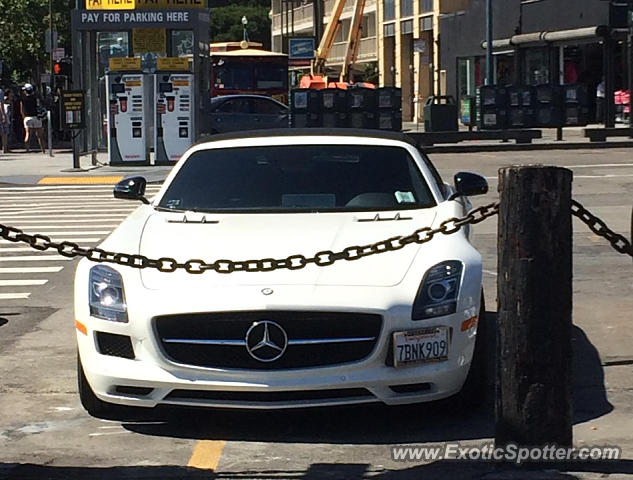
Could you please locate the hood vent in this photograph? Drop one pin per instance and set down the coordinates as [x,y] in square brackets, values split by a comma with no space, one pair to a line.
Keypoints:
[378,218]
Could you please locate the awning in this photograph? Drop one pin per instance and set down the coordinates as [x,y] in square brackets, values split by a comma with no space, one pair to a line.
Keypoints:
[549,37]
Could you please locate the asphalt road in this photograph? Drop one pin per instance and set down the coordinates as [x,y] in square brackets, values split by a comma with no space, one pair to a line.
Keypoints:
[44,433]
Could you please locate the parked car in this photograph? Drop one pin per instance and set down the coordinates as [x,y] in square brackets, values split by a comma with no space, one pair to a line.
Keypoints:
[232,113]
[395,327]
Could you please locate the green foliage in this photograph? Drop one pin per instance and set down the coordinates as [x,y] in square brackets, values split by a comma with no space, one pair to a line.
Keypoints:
[23,24]
[226,25]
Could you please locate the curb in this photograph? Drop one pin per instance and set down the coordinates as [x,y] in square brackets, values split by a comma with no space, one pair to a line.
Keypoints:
[517,147]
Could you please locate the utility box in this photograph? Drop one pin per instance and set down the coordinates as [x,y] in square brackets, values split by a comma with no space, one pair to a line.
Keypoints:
[440,114]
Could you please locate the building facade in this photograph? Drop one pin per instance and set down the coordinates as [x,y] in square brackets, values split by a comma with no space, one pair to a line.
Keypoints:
[301,19]
[540,42]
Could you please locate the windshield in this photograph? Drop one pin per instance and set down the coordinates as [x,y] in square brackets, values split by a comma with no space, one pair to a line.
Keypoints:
[298,178]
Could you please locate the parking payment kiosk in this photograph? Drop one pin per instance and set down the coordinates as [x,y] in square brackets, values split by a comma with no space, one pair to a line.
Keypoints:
[129,115]
[174,131]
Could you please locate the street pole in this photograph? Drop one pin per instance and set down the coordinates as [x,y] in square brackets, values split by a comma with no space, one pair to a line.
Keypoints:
[489,66]
[630,55]
[52,62]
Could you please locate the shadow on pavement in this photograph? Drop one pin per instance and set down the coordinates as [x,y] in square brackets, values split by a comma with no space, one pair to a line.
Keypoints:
[590,396]
[440,470]
[376,424]
[364,424]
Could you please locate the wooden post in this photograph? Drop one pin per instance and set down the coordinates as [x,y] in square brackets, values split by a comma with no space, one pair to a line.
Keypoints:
[534,354]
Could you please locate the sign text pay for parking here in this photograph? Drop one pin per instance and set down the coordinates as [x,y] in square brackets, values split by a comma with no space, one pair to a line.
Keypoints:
[143,4]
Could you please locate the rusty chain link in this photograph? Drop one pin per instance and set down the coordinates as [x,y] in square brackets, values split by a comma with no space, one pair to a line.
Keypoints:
[597,226]
[293,262]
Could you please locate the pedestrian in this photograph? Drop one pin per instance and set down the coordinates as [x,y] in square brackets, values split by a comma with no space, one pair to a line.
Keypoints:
[6,118]
[600,99]
[29,107]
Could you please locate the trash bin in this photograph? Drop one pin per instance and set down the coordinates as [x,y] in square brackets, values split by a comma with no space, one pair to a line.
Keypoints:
[333,103]
[440,114]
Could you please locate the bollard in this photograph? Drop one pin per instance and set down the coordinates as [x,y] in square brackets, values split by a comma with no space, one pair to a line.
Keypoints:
[533,404]
[50,133]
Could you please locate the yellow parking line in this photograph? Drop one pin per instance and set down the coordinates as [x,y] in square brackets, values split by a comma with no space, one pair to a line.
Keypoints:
[206,454]
[79,180]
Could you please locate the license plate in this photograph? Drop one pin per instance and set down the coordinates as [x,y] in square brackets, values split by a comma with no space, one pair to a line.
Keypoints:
[420,346]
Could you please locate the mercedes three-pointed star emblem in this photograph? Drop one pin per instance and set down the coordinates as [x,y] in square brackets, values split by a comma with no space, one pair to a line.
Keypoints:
[266,341]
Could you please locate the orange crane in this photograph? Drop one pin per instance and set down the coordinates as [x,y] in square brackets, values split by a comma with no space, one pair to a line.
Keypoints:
[317,78]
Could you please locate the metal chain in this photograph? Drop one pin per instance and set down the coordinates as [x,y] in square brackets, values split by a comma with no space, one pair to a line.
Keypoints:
[597,226]
[293,262]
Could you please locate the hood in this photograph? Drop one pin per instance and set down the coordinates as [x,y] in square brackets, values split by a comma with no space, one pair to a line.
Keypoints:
[258,236]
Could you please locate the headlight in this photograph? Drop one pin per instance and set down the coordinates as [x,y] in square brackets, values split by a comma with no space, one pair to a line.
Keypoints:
[107,299]
[438,292]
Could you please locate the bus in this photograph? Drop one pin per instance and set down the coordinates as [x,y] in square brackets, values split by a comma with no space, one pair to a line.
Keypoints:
[242,68]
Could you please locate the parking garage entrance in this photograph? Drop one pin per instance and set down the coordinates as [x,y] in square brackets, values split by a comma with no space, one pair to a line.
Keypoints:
[145,74]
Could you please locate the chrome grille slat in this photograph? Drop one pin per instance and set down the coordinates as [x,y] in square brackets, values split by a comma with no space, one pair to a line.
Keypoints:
[242,343]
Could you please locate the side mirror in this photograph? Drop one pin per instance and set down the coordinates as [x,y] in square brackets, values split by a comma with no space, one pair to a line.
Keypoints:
[469,184]
[131,188]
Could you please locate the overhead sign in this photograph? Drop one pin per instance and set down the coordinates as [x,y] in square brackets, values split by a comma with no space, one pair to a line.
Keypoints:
[301,48]
[123,64]
[172,63]
[73,109]
[143,4]
[149,40]
[126,19]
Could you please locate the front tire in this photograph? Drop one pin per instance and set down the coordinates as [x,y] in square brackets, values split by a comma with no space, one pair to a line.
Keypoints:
[477,388]
[97,407]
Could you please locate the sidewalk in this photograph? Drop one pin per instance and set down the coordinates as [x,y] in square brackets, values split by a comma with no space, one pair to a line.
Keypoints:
[35,168]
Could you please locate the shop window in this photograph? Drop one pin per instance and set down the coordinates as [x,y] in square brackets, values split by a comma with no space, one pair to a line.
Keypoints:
[426,23]
[536,66]
[389,10]
[406,8]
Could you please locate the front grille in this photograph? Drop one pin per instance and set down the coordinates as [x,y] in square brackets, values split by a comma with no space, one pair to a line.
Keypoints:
[294,396]
[115,345]
[217,340]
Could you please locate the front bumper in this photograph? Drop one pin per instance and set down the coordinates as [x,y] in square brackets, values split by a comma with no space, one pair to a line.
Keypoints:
[155,379]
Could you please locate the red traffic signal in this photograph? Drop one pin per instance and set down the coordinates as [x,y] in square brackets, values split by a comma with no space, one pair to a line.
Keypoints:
[63,67]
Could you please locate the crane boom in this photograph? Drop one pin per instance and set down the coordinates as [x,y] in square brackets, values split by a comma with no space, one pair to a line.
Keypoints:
[329,34]
[317,78]
[353,41]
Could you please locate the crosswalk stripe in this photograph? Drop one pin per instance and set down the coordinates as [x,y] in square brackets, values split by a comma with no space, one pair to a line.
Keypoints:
[81,216]
[30,269]
[43,257]
[75,234]
[85,220]
[74,188]
[15,249]
[21,283]
[63,227]
[76,240]
[14,296]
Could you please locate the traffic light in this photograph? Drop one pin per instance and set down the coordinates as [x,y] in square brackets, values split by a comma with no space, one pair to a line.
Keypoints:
[63,67]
